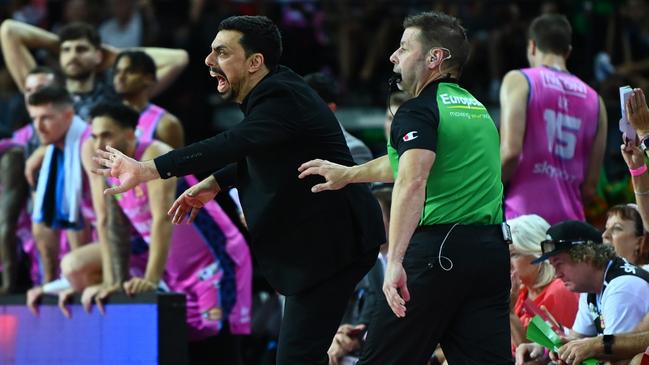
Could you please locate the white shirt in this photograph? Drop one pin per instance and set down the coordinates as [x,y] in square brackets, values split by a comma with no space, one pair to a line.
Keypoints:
[623,305]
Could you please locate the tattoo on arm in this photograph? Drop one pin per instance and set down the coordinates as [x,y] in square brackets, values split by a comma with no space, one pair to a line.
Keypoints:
[118,240]
[12,201]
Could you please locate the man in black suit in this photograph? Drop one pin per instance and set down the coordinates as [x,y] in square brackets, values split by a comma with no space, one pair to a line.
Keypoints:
[313,248]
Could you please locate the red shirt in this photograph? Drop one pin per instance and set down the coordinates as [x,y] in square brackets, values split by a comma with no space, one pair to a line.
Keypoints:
[557,299]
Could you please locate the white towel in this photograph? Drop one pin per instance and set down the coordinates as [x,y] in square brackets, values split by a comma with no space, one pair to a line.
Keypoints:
[71,199]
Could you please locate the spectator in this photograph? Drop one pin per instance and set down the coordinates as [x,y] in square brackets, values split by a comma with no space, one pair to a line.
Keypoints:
[624,230]
[538,286]
[613,291]
[132,24]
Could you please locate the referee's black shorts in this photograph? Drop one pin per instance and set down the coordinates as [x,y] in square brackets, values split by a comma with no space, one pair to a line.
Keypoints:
[459,299]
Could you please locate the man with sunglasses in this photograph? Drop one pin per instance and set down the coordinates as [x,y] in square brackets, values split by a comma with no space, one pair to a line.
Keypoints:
[613,291]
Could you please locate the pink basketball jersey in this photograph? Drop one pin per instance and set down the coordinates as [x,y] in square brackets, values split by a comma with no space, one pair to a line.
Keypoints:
[561,124]
[208,260]
[148,123]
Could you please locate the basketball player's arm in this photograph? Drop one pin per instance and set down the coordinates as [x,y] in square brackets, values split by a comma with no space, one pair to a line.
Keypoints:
[513,108]
[12,201]
[17,39]
[589,187]
[162,194]
[170,131]
[170,62]
[97,186]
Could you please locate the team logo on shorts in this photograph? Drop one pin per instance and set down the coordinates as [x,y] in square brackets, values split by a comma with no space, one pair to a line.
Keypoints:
[410,136]
[213,314]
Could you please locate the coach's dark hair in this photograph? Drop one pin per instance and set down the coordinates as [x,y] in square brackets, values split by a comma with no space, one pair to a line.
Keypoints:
[140,62]
[124,116]
[552,33]
[441,30]
[80,30]
[260,35]
[55,94]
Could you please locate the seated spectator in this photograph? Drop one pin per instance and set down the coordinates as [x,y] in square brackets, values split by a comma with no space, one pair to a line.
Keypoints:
[613,291]
[624,346]
[132,24]
[624,230]
[538,287]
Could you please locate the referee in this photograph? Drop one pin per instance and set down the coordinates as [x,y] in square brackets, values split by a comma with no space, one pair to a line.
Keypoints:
[447,276]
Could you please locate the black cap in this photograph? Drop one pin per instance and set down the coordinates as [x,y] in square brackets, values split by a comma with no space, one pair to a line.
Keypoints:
[562,236]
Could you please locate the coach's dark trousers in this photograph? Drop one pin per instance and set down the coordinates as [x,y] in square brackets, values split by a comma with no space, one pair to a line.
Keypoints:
[312,316]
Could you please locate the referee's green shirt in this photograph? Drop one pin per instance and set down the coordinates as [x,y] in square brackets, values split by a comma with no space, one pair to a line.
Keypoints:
[464,186]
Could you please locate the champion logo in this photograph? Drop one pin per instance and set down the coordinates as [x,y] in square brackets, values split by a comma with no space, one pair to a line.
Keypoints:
[410,136]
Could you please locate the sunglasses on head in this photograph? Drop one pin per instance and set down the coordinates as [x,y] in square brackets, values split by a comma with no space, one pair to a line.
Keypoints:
[553,245]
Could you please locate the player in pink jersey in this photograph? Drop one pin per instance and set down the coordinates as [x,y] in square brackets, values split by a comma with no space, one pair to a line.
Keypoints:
[14,220]
[135,76]
[209,260]
[553,130]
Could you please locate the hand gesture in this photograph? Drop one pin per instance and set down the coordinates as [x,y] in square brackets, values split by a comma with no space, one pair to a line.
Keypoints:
[637,112]
[530,353]
[579,350]
[138,285]
[34,296]
[65,296]
[192,200]
[345,341]
[632,154]
[129,171]
[98,294]
[335,174]
[395,288]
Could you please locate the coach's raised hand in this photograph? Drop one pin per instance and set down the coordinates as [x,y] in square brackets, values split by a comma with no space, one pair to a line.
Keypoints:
[130,172]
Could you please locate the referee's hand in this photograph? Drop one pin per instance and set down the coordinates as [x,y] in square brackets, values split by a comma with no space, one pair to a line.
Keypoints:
[336,175]
[395,288]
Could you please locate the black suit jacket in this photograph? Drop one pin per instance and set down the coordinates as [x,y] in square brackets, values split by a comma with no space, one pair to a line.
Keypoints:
[299,238]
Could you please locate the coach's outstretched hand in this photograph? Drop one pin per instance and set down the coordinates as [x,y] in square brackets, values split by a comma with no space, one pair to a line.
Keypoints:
[130,172]
[335,174]
[192,200]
